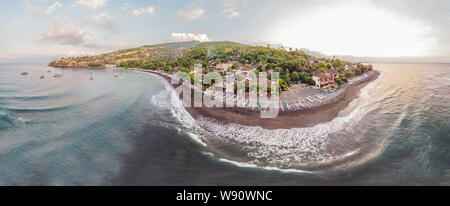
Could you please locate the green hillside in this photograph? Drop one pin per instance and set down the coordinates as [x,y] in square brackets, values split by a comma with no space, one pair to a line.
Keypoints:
[140,54]
[293,65]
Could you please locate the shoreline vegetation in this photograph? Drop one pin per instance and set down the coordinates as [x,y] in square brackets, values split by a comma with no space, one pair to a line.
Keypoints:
[287,119]
[312,90]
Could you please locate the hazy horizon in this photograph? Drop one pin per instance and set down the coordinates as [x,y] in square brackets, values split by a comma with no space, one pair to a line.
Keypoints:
[368,30]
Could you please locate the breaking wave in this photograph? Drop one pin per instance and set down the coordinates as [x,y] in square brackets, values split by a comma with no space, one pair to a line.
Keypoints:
[280,149]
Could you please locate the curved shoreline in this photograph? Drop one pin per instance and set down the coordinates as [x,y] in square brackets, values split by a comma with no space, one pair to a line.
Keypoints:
[286,119]
[306,117]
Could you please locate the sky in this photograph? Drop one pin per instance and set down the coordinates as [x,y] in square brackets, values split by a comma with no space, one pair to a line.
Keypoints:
[49,29]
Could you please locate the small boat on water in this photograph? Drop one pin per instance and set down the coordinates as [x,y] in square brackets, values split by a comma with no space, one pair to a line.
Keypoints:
[115,75]
[58,75]
[42,76]
[24,73]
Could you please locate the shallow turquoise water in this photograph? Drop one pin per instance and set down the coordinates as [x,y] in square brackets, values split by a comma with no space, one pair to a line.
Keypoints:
[129,130]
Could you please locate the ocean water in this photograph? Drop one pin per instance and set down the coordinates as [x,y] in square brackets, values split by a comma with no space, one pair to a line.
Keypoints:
[132,130]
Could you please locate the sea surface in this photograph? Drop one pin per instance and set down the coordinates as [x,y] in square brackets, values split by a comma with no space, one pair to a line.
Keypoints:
[129,128]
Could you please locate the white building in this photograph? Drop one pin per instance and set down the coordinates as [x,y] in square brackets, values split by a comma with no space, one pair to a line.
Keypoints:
[317,80]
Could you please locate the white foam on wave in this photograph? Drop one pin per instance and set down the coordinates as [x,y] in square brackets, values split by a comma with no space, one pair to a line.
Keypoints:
[440,78]
[281,147]
[286,146]
[169,100]
[249,165]
[197,139]
[160,100]
[351,153]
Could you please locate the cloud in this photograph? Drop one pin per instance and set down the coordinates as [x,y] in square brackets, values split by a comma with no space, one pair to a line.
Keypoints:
[91,4]
[33,9]
[143,11]
[52,7]
[229,3]
[179,37]
[230,9]
[102,47]
[190,15]
[104,20]
[230,13]
[65,35]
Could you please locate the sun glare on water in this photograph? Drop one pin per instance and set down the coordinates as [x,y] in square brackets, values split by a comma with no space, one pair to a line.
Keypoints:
[355,31]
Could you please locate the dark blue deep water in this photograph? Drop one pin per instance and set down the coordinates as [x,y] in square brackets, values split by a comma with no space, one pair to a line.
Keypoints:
[130,130]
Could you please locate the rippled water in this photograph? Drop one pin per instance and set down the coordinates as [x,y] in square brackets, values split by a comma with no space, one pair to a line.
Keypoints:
[132,130]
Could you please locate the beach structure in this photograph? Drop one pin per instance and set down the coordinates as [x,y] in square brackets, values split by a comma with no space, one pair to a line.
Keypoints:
[224,66]
[333,73]
[245,70]
[110,66]
[317,80]
[325,79]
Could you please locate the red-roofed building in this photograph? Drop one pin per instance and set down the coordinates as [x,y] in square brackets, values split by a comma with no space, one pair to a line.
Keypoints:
[333,73]
[324,79]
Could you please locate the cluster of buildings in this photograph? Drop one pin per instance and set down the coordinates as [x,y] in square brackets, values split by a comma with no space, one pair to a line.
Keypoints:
[323,80]
[240,68]
[110,66]
[327,79]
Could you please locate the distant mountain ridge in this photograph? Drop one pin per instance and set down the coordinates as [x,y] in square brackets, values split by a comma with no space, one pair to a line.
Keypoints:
[181,55]
[143,53]
[222,57]
[149,53]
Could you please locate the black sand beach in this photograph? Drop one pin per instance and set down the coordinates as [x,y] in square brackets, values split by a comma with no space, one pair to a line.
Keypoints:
[286,119]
